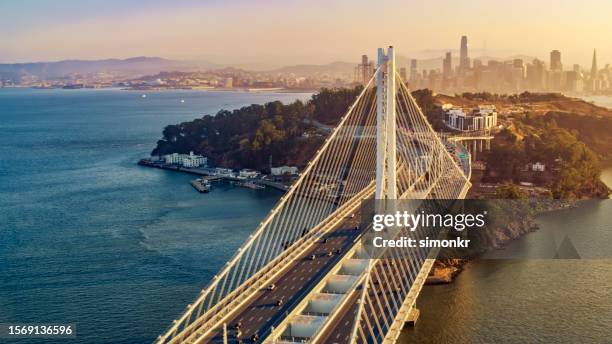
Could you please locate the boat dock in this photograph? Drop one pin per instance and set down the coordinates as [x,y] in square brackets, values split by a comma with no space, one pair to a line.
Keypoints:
[201,185]
[208,175]
[212,178]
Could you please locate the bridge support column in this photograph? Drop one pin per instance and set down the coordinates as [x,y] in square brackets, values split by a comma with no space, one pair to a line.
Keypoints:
[386,151]
[412,317]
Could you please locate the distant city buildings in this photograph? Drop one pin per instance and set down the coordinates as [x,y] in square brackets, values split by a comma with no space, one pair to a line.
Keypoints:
[510,76]
[464,60]
[364,70]
[403,75]
[447,66]
[555,61]
[454,73]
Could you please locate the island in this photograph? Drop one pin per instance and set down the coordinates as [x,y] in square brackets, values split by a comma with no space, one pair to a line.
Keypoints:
[567,135]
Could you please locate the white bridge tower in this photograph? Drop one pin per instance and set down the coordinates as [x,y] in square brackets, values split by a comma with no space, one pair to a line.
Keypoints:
[386,151]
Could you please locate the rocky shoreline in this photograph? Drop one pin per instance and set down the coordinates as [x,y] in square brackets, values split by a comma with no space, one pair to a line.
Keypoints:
[445,271]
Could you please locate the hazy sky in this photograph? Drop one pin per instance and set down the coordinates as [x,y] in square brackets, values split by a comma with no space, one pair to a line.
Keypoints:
[308,31]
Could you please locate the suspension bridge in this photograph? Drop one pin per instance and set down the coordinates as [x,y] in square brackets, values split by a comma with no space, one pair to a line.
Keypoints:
[303,274]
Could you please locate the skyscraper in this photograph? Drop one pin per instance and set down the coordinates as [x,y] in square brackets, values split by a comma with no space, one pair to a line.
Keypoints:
[447,66]
[593,84]
[536,73]
[555,61]
[414,73]
[594,65]
[364,70]
[464,60]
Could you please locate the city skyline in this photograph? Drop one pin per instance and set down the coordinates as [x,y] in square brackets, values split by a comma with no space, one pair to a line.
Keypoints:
[271,33]
[511,75]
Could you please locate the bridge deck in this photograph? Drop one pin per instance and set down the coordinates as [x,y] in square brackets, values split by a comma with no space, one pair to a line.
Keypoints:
[261,313]
[339,331]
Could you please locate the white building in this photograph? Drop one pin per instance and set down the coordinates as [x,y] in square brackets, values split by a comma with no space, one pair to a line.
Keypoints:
[247,174]
[278,171]
[482,118]
[186,160]
[194,160]
[174,158]
[538,167]
[225,172]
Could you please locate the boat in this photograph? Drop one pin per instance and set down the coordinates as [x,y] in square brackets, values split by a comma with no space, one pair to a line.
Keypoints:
[201,184]
[144,96]
[251,185]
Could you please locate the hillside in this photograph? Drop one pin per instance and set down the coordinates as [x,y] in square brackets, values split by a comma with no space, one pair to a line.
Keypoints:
[131,66]
[590,123]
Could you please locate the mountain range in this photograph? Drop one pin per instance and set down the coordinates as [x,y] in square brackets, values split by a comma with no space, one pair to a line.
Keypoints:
[130,67]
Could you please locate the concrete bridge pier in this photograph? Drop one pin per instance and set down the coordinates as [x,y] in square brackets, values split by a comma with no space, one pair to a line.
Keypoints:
[412,317]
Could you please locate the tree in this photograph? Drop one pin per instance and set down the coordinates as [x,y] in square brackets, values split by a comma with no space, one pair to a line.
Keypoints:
[510,191]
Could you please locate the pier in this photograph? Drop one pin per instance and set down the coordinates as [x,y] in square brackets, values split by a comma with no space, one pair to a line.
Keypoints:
[201,185]
[210,175]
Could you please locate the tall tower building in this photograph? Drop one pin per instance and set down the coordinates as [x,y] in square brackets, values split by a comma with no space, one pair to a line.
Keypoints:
[447,66]
[536,73]
[594,65]
[555,61]
[364,70]
[464,60]
[414,73]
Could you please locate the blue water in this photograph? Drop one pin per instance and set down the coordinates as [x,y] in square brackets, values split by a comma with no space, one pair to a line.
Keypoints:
[530,300]
[90,238]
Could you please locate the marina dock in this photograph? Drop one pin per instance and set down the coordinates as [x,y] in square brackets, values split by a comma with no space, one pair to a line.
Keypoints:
[201,185]
[208,175]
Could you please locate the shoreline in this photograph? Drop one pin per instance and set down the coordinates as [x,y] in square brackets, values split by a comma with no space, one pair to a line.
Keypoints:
[445,271]
[207,172]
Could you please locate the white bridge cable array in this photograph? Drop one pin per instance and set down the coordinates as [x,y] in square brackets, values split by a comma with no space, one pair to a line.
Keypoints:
[341,174]
[426,170]
[338,174]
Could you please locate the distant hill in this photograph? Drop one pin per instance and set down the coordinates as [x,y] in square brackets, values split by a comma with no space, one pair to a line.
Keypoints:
[140,66]
[130,67]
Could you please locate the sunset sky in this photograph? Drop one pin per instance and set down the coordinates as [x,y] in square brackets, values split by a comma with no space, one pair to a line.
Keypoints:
[290,32]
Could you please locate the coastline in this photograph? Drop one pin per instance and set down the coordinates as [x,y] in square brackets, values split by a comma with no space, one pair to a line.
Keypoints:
[229,90]
[208,172]
[445,271]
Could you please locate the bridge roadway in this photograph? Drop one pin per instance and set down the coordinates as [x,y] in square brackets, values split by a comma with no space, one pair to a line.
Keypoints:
[339,330]
[261,313]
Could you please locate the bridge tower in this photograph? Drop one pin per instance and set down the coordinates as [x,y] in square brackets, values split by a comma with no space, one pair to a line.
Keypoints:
[307,256]
[386,145]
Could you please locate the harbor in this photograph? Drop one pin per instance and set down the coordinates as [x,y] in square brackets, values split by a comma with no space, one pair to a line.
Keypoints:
[254,181]
[201,184]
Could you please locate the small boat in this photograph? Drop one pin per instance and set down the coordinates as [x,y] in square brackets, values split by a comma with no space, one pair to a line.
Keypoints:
[202,185]
[143,96]
[253,186]
[182,100]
